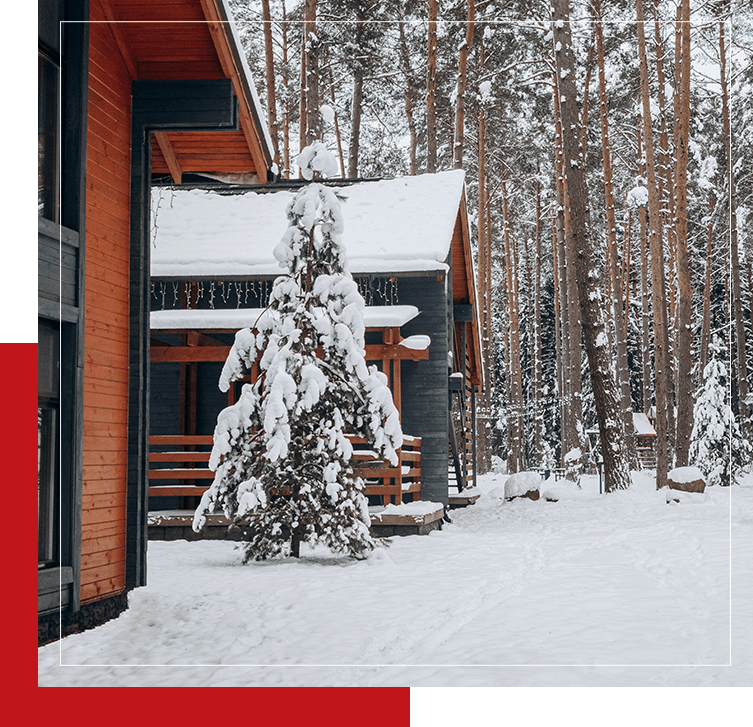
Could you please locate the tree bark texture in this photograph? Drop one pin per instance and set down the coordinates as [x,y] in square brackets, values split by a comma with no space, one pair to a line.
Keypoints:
[623,374]
[431,90]
[606,399]
[661,343]
[685,398]
[270,81]
[465,49]
[409,99]
[572,330]
[737,311]
[313,114]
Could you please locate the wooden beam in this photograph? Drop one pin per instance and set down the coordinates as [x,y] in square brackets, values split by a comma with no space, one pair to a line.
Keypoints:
[376,352]
[187,354]
[109,12]
[163,141]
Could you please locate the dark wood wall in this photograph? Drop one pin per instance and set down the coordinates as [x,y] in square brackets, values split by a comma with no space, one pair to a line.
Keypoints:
[424,383]
[425,398]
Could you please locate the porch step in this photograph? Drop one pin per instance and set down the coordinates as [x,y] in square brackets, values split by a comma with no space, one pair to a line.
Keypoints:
[410,518]
[466,497]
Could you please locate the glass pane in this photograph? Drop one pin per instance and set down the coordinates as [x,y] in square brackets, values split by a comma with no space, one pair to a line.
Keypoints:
[46,481]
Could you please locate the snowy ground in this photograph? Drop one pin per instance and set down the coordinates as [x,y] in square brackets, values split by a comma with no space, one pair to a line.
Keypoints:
[617,590]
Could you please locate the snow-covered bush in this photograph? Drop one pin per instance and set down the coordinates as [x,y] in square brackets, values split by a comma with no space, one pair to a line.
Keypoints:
[281,457]
[717,446]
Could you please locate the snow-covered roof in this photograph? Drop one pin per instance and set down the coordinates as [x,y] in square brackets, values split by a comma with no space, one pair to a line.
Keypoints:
[397,225]
[642,425]
[237,318]
[261,125]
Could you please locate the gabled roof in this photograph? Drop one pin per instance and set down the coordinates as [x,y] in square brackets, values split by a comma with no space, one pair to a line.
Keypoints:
[192,39]
[402,225]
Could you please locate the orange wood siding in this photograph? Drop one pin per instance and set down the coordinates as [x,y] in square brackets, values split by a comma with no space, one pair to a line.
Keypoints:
[225,151]
[459,269]
[106,316]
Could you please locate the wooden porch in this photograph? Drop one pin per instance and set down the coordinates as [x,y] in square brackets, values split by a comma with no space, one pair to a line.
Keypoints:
[178,469]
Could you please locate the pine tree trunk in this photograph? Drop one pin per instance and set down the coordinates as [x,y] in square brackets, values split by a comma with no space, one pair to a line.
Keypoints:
[515,462]
[606,398]
[409,99]
[568,302]
[706,317]
[625,273]
[557,330]
[661,343]
[538,436]
[355,128]
[338,137]
[567,424]
[484,287]
[431,90]
[303,134]
[286,104]
[270,79]
[645,292]
[465,49]
[573,341]
[685,398]
[737,312]
[667,204]
[623,374]
[313,114]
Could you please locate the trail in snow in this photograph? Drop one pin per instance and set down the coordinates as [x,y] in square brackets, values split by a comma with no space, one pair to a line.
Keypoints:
[595,590]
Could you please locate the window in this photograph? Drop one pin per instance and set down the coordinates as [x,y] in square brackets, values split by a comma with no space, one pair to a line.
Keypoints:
[48,144]
[48,475]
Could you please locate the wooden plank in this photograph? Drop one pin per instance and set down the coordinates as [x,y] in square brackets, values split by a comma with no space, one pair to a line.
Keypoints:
[102,558]
[103,544]
[376,352]
[95,531]
[179,456]
[168,153]
[408,519]
[181,474]
[95,516]
[177,491]
[179,439]
[188,354]
[96,591]
[120,40]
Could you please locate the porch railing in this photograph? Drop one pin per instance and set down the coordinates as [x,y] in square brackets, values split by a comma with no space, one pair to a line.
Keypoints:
[178,467]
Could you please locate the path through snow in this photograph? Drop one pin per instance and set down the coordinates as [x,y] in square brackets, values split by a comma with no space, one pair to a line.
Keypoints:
[617,590]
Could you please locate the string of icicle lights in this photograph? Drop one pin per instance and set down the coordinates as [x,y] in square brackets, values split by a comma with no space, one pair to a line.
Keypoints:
[171,295]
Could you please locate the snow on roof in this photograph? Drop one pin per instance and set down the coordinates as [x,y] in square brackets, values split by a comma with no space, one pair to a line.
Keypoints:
[246,72]
[237,318]
[395,225]
[642,425]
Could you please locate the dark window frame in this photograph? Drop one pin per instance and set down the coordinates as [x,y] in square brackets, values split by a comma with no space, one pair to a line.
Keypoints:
[48,457]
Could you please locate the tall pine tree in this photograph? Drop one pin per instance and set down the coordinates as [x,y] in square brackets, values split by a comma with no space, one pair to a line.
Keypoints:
[717,447]
[281,457]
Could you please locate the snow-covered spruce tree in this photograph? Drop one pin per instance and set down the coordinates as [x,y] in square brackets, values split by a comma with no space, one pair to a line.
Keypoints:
[281,457]
[717,447]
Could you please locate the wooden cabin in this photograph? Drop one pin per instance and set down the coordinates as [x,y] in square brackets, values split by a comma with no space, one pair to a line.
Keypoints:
[409,251]
[143,92]
[644,440]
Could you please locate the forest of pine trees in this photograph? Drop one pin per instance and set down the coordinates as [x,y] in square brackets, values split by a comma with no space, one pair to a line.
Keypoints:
[608,151]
